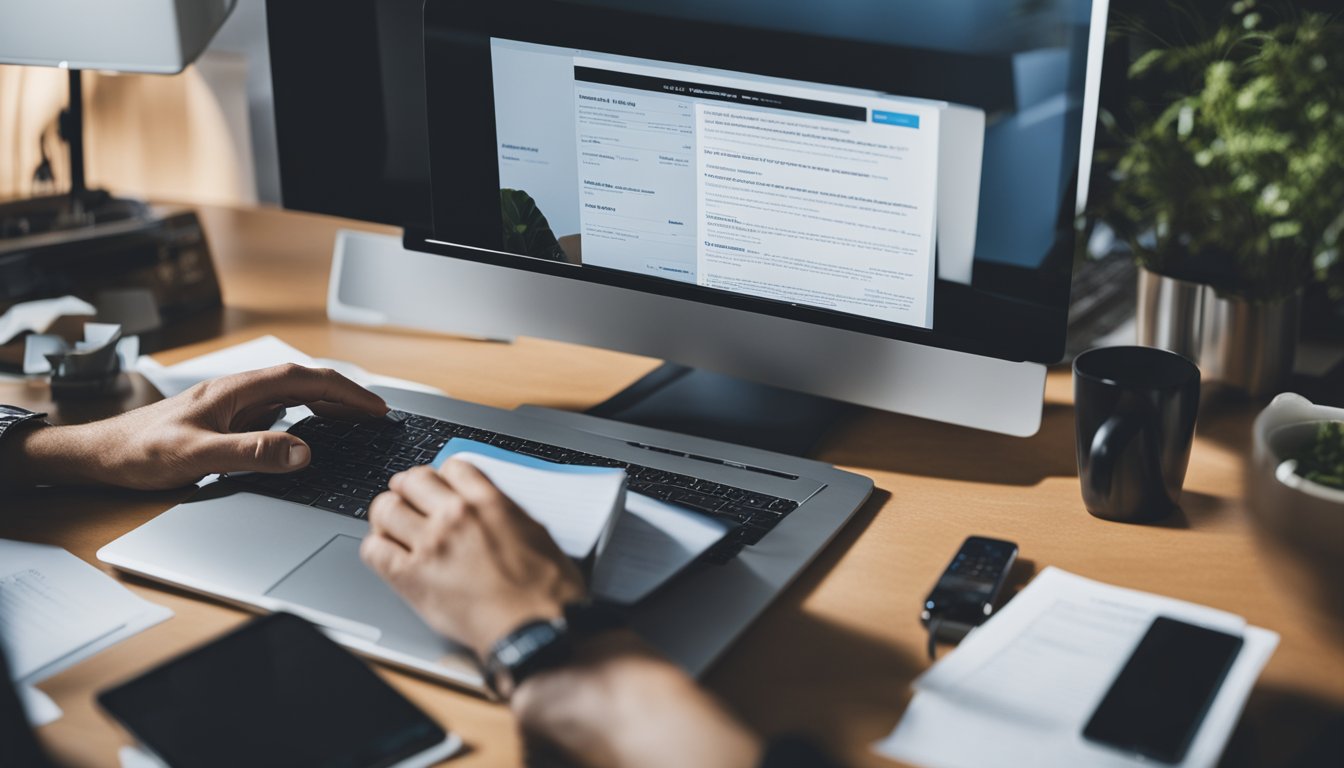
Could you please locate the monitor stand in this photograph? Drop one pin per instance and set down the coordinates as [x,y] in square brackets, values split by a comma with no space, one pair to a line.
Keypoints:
[711,405]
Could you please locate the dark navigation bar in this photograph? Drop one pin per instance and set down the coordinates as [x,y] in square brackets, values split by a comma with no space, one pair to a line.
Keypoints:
[720,93]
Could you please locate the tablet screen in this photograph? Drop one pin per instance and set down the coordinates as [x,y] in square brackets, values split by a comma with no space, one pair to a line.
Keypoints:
[275,693]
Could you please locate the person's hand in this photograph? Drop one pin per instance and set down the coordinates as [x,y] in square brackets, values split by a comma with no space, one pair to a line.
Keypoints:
[216,426]
[466,558]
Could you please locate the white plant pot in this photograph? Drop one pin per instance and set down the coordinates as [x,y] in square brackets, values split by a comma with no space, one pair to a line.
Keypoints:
[1301,521]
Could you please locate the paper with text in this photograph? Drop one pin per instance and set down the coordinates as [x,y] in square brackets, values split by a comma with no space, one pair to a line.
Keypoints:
[1020,689]
[653,542]
[56,610]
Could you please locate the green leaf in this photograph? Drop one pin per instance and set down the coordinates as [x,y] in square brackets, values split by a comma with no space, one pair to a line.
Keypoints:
[1323,460]
[526,230]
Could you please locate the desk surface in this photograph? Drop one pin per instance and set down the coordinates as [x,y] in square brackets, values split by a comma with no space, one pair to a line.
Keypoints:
[835,655]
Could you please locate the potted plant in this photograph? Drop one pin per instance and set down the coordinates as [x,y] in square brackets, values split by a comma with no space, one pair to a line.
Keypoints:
[1230,189]
[1295,495]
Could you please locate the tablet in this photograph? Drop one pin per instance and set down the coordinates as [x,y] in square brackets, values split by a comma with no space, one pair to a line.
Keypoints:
[276,692]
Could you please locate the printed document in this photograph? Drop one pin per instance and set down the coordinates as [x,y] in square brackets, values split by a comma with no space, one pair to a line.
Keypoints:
[57,610]
[1020,689]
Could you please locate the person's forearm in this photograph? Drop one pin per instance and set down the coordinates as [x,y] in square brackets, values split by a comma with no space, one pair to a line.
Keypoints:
[42,455]
[620,704]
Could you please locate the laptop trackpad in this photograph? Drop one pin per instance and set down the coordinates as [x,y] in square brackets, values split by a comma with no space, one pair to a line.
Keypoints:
[334,580]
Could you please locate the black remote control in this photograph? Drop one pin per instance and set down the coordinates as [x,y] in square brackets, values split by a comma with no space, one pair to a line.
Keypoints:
[965,594]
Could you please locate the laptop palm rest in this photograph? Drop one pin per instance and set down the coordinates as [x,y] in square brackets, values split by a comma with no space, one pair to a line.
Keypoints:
[333,580]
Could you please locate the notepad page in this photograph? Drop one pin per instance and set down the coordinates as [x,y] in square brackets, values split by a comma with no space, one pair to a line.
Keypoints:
[576,508]
[653,542]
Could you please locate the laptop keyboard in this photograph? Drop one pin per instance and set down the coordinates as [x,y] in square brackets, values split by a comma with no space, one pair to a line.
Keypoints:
[352,462]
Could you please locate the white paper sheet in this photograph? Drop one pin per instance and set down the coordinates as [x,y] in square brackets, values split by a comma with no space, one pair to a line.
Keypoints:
[1019,690]
[38,706]
[57,610]
[577,508]
[261,352]
[38,315]
[653,542]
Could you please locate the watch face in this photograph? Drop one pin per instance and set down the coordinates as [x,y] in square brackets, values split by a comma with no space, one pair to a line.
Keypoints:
[532,647]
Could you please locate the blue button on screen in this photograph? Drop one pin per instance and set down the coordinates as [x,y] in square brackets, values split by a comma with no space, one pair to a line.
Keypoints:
[895,118]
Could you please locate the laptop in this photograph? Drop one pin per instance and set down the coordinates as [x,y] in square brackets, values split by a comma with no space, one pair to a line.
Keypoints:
[291,542]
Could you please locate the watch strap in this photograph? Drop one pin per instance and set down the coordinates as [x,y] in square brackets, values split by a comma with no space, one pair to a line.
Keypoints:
[543,644]
[534,646]
[11,417]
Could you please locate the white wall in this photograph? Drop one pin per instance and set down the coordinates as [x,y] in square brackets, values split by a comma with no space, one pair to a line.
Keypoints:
[245,34]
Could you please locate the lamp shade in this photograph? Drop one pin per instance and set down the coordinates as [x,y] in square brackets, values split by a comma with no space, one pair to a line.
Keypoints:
[154,36]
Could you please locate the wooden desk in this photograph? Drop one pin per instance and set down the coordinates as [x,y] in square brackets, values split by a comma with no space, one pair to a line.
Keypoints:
[835,655]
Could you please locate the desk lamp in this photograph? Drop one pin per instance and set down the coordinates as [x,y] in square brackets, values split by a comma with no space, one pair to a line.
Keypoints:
[88,241]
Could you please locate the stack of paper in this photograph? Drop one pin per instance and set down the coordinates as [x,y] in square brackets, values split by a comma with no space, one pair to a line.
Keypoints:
[1019,690]
[640,542]
[261,352]
[55,611]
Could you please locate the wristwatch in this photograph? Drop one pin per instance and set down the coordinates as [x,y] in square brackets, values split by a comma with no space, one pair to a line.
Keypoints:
[543,644]
[11,417]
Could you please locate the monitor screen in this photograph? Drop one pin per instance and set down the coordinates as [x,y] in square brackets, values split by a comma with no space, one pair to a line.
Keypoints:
[898,168]
[350,108]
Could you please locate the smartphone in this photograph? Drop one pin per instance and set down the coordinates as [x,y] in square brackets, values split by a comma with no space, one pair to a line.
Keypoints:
[968,589]
[276,692]
[1157,703]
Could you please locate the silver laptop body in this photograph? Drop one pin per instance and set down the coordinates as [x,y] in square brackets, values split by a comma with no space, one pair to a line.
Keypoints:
[268,554]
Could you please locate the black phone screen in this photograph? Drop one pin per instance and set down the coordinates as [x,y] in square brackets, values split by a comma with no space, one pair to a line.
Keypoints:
[1156,704]
[276,692]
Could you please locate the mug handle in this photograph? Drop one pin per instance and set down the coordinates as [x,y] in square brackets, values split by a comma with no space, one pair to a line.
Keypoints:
[1110,441]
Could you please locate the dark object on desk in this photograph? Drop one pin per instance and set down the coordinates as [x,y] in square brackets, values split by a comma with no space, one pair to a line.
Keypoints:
[276,692]
[967,591]
[17,743]
[114,247]
[1135,410]
[1157,703]
[85,372]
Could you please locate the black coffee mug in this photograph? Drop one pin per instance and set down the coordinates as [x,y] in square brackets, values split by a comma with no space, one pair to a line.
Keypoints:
[1135,411]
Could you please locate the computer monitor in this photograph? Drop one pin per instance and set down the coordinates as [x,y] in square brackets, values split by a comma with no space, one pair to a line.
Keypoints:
[871,201]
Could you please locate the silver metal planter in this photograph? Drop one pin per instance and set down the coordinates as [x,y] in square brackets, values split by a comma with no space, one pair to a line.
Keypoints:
[1244,345]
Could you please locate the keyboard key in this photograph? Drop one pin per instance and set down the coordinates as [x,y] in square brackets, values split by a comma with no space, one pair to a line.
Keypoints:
[345,505]
[360,493]
[710,488]
[681,481]
[696,500]
[400,465]
[302,495]
[331,428]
